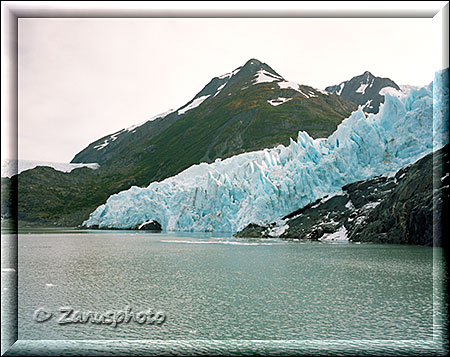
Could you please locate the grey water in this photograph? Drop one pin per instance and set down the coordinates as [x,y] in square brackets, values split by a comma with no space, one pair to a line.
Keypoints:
[216,288]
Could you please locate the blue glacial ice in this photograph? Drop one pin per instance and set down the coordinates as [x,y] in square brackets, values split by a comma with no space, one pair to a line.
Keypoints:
[264,185]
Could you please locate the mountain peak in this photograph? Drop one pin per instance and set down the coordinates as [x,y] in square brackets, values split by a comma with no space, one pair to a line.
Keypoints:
[242,76]
[364,89]
[253,65]
[253,62]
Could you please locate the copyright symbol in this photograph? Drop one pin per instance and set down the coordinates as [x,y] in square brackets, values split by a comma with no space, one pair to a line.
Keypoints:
[41,315]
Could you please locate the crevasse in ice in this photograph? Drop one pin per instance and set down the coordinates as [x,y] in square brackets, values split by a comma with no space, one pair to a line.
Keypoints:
[264,185]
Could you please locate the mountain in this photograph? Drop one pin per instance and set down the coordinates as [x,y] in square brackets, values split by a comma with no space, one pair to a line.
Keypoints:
[261,186]
[251,108]
[396,209]
[248,109]
[366,90]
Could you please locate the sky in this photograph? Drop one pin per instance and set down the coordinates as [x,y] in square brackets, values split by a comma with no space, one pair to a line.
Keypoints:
[82,79]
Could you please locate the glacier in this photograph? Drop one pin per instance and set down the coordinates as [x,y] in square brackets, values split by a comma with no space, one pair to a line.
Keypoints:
[261,186]
[11,167]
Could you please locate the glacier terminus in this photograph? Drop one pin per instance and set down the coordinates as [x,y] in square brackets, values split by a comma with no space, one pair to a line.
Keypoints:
[256,187]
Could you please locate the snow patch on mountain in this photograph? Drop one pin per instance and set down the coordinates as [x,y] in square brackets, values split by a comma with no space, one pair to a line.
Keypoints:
[322,91]
[219,89]
[132,129]
[226,75]
[367,104]
[161,115]
[263,76]
[255,187]
[112,137]
[231,74]
[103,145]
[362,88]
[295,86]
[289,85]
[278,101]
[194,104]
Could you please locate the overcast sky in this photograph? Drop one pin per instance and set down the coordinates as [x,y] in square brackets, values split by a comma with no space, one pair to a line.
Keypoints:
[81,79]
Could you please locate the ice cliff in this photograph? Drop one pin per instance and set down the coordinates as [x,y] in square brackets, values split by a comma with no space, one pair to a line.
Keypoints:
[262,185]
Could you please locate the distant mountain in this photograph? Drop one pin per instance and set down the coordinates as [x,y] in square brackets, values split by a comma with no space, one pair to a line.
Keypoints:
[366,90]
[14,167]
[250,108]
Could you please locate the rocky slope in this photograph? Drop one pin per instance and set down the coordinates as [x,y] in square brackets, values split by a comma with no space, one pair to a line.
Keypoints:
[407,208]
[366,90]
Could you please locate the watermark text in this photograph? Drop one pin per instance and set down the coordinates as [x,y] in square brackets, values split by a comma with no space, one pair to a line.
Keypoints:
[68,315]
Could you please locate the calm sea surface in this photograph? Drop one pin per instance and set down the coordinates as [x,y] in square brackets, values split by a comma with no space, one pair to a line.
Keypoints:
[216,287]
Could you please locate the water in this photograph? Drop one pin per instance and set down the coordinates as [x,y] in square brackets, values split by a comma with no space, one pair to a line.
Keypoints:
[220,290]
